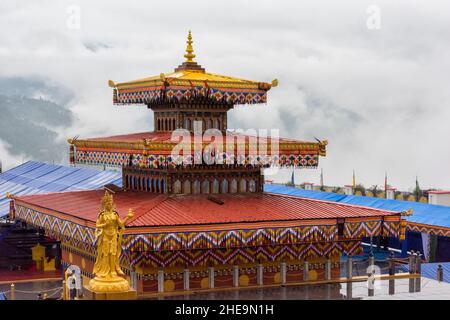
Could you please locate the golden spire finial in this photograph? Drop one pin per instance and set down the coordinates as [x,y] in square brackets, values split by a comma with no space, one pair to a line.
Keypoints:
[189,50]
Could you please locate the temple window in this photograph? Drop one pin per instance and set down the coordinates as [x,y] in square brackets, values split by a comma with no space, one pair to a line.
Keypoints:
[215,186]
[205,186]
[177,186]
[252,186]
[233,186]
[158,185]
[242,185]
[224,186]
[196,187]
[187,187]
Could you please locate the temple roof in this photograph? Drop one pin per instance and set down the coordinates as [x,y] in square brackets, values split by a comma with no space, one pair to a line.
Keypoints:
[193,77]
[159,210]
[190,79]
[165,137]
[159,144]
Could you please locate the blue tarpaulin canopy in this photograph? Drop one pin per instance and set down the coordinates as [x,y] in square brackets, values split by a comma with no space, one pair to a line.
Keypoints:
[422,213]
[429,270]
[37,177]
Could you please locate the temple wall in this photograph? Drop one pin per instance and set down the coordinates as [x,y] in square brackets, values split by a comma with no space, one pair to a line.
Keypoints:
[148,254]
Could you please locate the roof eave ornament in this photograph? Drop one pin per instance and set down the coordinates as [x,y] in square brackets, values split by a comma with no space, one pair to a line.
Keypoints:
[407,213]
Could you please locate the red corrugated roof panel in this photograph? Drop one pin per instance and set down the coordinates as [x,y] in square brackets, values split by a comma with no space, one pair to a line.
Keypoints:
[155,136]
[163,210]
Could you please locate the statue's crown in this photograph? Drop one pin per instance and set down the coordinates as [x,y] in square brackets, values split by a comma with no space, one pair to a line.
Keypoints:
[107,200]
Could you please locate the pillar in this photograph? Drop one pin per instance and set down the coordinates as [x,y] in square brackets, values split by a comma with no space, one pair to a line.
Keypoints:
[328,270]
[211,277]
[440,273]
[283,272]
[283,293]
[371,260]
[306,271]
[13,291]
[328,291]
[64,287]
[133,279]
[186,276]
[160,281]
[260,274]
[371,283]
[235,276]
[391,273]
[417,285]
[411,271]
[349,290]
[349,267]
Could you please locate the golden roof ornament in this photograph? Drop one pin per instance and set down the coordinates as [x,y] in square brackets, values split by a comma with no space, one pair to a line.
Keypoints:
[407,213]
[189,50]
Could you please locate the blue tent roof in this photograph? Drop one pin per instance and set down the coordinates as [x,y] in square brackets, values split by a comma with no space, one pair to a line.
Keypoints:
[429,270]
[422,213]
[37,177]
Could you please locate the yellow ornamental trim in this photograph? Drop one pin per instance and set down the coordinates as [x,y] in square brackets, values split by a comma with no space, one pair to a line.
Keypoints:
[168,146]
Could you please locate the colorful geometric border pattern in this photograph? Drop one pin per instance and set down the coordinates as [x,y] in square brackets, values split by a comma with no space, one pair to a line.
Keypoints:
[215,247]
[149,95]
[391,229]
[428,229]
[211,257]
[371,228]
[78,236]
[119,159]
[229,238]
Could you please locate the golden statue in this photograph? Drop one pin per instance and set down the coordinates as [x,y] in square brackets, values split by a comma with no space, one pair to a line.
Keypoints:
[109,231]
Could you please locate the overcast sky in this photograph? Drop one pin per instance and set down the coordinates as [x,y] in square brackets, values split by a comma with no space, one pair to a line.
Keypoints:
[379,95]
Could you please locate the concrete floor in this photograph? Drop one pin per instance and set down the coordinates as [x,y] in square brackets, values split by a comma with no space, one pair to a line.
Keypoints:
[30,290]
[430,290]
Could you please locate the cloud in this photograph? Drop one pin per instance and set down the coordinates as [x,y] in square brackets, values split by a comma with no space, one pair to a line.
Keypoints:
[7,160]
[379,96]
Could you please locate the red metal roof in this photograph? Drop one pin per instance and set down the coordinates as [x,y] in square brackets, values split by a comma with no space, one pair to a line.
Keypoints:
[154,136]
[164,210]
[439,191]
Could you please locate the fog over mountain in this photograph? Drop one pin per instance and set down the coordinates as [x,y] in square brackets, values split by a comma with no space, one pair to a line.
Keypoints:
[31,121]
[380,96]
